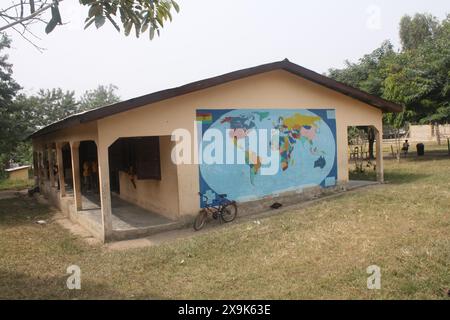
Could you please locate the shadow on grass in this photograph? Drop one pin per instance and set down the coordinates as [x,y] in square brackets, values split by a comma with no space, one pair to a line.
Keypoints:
[22,210]
[18,285]
[400,177]
[368,175]
[395,177]
[428,156]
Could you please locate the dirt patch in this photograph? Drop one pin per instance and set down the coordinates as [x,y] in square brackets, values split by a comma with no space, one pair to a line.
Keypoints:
[9,194]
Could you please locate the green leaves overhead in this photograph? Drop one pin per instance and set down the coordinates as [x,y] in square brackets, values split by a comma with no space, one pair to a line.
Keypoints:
[99,21]
[55,19]
[138,15]
[417,77]
[414,31]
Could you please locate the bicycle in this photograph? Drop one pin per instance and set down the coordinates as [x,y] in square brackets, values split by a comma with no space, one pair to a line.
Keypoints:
[225,211]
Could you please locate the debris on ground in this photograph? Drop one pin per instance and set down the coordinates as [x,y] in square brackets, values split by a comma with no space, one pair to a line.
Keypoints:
[276,205]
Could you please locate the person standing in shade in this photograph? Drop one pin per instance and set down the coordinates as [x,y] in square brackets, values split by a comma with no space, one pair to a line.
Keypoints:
[94,175]
[55,174]
[86,175]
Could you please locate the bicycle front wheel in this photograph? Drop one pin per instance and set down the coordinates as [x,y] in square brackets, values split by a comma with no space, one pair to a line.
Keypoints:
[229,212]
[200,220]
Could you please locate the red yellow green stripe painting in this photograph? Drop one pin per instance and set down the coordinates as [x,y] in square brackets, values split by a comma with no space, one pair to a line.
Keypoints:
[205,117]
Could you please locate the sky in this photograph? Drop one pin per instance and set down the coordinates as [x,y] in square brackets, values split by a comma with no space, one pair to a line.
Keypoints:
[208,38]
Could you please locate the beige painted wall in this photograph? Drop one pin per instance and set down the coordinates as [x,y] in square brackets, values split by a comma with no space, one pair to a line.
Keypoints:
[276,89]
[84,131]
[159,196]
[428,132]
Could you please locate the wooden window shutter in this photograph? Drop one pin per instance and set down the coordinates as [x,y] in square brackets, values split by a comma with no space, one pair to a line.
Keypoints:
[148,165]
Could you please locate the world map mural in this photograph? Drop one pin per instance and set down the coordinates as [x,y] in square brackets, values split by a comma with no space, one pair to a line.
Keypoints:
[306,146]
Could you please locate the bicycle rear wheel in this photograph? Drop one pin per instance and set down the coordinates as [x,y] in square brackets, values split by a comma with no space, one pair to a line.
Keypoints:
[200,220]
[229,212]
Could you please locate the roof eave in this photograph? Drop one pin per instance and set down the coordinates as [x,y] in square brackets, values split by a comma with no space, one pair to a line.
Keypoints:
[99,113]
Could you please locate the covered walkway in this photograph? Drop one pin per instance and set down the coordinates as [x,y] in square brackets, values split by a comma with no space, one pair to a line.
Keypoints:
[125,215]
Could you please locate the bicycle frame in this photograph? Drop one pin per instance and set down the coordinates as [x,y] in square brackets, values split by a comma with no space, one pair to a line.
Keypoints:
[218,210]
[214,209]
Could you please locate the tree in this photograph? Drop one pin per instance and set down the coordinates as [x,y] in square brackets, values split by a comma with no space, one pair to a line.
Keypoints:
[46,107]
[10,120]
[416,31]
[23,114]
[417,77]
[420,78]
[102,96]
[368,74]
[32,112]
[142,15]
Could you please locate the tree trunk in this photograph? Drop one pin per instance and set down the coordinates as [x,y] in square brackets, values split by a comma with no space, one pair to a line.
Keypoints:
[371,138]
[438,135]
[397,142]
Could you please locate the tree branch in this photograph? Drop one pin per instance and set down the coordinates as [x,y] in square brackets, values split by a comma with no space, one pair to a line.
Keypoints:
[25,38]
[31,16]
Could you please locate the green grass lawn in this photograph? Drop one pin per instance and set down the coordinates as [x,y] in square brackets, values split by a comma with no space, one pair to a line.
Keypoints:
[321,251]
[6,184]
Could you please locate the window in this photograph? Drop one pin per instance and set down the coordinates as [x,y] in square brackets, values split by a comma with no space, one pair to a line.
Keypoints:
[141,154]
[148,165]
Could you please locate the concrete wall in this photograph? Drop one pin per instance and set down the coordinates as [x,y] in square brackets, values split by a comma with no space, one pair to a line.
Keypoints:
[428,133]
[159,196]
[276,89]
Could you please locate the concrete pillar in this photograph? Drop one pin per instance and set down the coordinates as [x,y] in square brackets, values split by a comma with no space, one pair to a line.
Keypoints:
[342,154]
[379,151]
[60,164]
[51,162]
[41,167]
[105,193]
[37,166]
[45,163]
[75,157]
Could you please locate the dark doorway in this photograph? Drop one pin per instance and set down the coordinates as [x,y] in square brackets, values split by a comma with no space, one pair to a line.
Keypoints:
[89,167]
[115,159]
[67,165]
[138,156]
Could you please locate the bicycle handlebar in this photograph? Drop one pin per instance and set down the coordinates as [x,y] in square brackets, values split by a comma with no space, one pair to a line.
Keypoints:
[223,195]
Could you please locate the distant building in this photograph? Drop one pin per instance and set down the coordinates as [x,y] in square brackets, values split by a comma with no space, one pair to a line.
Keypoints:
[18,173]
